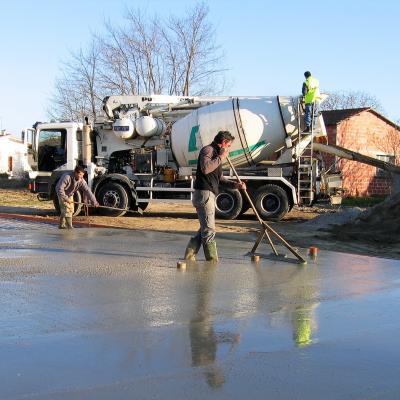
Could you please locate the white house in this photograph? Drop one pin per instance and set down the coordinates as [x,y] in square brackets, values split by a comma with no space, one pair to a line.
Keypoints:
[13,156]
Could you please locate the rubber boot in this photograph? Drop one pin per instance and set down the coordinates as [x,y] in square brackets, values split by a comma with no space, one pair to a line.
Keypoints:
[69,222]
[61,225]
[210,251]
[192,249]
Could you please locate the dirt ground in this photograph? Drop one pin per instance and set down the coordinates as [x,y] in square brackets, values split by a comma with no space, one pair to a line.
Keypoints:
[297,227]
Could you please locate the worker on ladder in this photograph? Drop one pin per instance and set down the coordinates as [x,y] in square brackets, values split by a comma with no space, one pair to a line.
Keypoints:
[311,97]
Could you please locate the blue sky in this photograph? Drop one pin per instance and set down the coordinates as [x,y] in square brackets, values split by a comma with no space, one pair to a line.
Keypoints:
[348,45]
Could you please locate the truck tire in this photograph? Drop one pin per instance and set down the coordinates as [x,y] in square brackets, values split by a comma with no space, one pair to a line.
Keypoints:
[228,204]
[77,207]
[271,202]
[112,194]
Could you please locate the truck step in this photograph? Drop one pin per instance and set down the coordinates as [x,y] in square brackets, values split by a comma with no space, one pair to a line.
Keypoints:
[304,166]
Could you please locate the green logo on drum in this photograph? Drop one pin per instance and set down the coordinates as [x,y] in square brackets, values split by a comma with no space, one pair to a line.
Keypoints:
[192,138]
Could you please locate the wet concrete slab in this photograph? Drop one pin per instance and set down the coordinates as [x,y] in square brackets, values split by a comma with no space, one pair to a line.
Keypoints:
[105,314]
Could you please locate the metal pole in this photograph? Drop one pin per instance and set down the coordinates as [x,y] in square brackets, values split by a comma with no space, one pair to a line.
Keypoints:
[264,225]
[253,207]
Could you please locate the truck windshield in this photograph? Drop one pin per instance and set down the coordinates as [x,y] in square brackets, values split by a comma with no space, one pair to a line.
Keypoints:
[52,149]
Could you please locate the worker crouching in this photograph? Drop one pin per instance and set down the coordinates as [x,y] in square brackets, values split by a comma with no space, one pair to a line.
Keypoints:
[208,179]
[65,189]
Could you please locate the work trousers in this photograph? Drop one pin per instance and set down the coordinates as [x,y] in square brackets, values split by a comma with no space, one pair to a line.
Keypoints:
[308,111]
[66,207]
[204,202]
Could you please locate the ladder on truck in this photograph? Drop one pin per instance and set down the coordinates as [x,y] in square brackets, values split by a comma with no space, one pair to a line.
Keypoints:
[305,160]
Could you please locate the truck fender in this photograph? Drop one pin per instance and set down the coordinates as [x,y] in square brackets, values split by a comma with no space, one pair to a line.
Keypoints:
[121,179]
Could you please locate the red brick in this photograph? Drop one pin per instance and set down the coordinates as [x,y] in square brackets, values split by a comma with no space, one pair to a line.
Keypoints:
[358,133]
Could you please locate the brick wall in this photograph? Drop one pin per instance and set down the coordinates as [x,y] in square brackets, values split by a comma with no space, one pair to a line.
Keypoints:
[364,133]
[329,159]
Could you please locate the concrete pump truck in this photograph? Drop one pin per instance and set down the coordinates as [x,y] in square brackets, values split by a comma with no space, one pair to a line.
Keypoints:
[144,149]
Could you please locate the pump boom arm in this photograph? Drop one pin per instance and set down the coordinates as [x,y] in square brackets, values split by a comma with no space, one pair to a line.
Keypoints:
[353,155]
[157,102]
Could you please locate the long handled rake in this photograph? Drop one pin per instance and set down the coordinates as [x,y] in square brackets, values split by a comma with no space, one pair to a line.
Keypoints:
[265,227]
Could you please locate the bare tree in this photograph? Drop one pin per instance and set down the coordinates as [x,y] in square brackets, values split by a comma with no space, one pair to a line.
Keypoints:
[147,55]
[192,55]
[118,72]
[351,99]
[142,38]
[75,94]
[389,143]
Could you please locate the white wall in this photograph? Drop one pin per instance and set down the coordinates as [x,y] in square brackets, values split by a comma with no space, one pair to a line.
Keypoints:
[11,147]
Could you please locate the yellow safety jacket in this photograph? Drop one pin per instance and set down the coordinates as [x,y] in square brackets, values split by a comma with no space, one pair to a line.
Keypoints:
[313,93]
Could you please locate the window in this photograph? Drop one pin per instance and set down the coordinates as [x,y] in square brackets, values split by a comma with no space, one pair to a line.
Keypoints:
[386,158]
[52,150]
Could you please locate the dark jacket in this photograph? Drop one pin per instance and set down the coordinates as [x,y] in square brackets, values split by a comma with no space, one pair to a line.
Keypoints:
[209,171]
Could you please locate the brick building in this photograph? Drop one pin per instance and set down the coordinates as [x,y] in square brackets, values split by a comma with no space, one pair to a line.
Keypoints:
[367,132]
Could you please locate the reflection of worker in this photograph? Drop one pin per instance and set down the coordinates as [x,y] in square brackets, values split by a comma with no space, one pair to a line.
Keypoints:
[208,178]
[312,96]
[65,189]
[302,307]
[290,293]
[302,322]
[203,338]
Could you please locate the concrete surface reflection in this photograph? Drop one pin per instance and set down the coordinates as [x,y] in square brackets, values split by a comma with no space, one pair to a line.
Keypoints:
[105,314]
[288,294]
[203,338]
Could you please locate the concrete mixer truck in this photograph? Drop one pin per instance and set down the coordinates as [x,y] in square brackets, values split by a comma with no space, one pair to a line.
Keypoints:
[144,149]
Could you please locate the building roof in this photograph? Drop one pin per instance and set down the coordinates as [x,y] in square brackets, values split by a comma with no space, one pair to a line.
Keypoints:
[11,138]
[334,117]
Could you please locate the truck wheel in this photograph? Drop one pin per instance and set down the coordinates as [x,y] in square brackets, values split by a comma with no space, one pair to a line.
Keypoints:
[77,207]
[112,194]
[271,202]
[228,204]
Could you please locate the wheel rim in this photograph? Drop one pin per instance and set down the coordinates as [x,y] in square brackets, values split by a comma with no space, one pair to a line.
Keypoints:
[225,203]
[111,199]
[270,203]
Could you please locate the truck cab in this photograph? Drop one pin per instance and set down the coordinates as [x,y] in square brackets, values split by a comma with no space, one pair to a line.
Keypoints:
[54,148]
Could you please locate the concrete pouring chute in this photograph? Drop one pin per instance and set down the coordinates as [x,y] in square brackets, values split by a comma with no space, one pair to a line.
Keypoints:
[354,156]
[144,149]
